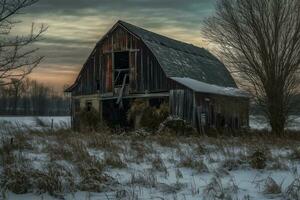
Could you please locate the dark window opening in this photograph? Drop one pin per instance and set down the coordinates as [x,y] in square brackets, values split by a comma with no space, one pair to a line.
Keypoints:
[122,60]
[121,63]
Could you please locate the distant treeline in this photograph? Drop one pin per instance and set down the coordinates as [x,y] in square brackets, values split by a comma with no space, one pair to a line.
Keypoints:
[295,110]
[28,97]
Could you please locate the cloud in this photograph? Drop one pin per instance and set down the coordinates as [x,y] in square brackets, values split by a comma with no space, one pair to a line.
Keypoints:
[76,25]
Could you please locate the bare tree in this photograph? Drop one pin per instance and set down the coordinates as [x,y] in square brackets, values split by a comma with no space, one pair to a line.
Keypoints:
[16,89]
[260,40]
[17,56]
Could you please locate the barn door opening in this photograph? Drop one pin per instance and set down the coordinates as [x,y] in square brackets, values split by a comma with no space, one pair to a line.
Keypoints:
[115,116]
[121,68]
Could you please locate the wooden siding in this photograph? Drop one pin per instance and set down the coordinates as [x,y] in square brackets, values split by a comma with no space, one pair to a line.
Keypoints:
[206,111]
[145,73]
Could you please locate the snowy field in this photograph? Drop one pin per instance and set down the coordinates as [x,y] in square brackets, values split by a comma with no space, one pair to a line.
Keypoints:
[60,164]
[260,123]
[12,124]
[256,122]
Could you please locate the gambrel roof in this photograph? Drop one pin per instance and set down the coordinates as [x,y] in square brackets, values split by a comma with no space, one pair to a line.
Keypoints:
[179,59]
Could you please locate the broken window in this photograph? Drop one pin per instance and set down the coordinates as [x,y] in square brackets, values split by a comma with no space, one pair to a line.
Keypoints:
[121,65]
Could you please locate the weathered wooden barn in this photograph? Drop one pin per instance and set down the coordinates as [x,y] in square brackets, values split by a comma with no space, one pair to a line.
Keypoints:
[130,63]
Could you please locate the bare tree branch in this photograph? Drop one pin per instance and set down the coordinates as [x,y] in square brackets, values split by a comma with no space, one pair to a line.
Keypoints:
[260,40]
[17,56]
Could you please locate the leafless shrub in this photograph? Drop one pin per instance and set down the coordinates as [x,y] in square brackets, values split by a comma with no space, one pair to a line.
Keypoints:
[140,151]
[159,165]
[271,187]
[200,149]
[171,188]
[216,190]
[146,179]
[6,152]
[16,179]
[59,152]
[80,152]
[114,160]
[102,141]
[192,163]
[56,180]
[93,179]
[16,173]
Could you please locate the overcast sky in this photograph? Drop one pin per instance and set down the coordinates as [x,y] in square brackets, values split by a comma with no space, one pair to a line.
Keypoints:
[76,25]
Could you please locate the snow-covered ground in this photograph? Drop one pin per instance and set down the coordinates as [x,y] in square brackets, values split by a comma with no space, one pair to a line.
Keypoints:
[132,166]
[33,122]
[256,122]
[259,122]
[10,124]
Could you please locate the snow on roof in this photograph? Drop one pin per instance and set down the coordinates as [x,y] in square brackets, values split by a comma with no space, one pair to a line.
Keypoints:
[199,86]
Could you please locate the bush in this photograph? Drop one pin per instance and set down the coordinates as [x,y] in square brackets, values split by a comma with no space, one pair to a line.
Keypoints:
[93,179]
[89,120]
[136,108]
[149,119]
[152,117]
[258,159]
[159,165]
[114,160]
[198,165]
[293,190]
[56,180]
[16,180]
[271,187]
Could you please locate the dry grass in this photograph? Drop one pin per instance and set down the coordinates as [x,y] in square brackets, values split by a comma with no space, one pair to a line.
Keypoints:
[56,180]
[146,179]
[140,151]
[271,187]
[126,150]
[113,160]
[166,140]
[217,190]
[159,165]
[231,164]
[190,162]
[292,192]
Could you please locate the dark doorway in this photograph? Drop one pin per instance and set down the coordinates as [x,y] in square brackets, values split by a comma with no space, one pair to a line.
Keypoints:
[114,115]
